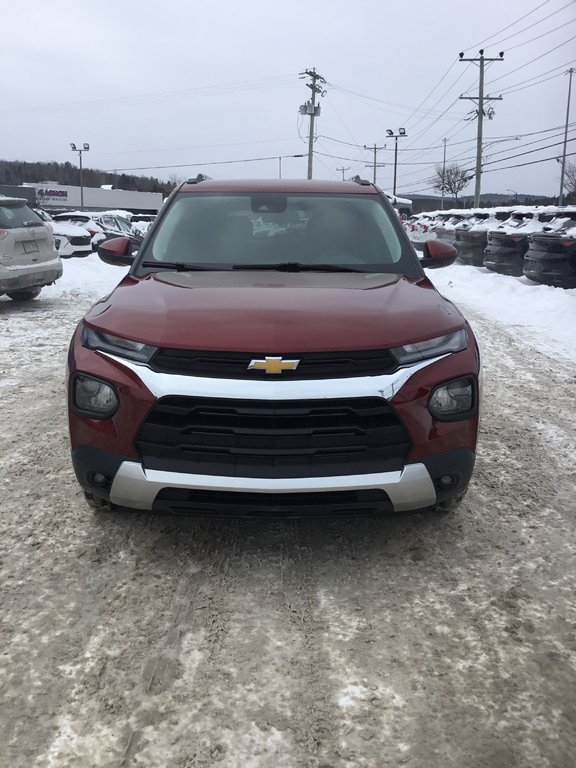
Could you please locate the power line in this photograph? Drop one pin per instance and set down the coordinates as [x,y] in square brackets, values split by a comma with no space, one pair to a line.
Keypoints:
[196,165]
[147,98]
[522,66]
[537,77]
[521,18]
[530,26]
[530,152]
[533,162]
[549,32]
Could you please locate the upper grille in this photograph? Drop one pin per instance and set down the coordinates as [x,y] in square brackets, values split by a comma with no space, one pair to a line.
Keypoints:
[262,438]
[312,365]
[81,240]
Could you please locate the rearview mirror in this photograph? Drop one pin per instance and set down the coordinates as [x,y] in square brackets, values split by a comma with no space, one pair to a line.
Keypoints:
[438,254]
[117,251]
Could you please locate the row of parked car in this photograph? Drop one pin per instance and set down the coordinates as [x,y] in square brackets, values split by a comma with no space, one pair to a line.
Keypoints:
[537,241]
[32,242]
[78,233]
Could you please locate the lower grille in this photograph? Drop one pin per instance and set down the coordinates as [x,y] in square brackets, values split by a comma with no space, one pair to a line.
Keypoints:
[230,504]
[274,439]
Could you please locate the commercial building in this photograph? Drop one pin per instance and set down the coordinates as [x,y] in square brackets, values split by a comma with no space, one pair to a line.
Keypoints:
[60,197]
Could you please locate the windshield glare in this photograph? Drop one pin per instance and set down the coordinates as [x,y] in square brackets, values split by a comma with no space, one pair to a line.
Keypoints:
[270,228]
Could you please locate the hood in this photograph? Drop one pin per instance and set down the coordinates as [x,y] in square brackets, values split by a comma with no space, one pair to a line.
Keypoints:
[275,312]
[68,230]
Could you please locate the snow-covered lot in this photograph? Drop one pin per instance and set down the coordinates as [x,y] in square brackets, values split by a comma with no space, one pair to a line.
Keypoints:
[431,642]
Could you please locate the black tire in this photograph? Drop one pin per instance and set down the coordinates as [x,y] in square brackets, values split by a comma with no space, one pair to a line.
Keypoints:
[450,504]
[28,295]
[97,502]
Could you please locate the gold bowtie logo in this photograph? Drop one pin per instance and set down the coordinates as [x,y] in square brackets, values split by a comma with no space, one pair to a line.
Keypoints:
[273,365]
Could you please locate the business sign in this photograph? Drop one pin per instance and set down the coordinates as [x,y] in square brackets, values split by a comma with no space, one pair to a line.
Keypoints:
[52,194]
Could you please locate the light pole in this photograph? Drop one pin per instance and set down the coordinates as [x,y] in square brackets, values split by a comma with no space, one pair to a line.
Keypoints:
[343,171]
[443,176]
[85,148]
[280,163]
[391,135]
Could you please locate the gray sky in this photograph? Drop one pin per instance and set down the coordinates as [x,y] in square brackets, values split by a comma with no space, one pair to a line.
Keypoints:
[182,82]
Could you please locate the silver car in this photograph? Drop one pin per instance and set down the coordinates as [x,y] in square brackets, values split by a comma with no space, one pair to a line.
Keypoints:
[28,257]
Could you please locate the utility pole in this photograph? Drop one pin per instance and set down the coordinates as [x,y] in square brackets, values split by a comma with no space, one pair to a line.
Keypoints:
[85,148]
[343,169]
[391,135]
[312,109]
[374,164]
[481,115]
[443,175]
[561,195]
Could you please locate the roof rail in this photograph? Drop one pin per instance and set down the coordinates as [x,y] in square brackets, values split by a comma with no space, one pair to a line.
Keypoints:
[358,180]
[200,177]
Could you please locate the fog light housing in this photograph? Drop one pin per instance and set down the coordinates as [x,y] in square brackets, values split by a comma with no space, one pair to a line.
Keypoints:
[453,400]
[93,397]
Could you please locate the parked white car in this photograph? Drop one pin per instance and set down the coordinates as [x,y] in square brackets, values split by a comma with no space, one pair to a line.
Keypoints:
[28,256]
[70,239]
[84,220]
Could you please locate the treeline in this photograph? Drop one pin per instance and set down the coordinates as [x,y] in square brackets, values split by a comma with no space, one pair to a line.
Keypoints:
[17,172]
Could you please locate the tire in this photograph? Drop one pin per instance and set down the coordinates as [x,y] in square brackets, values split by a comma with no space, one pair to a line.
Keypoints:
[28,295]
[451,504]
[97,502]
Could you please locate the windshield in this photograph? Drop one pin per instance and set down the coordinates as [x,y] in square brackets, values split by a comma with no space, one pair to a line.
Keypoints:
[268,230]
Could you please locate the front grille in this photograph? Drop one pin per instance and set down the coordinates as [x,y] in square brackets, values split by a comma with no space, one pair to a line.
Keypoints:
[312,365]
[232,504]
[83,240]
[263,438]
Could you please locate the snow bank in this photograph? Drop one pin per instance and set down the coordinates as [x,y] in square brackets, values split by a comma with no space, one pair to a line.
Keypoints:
[541,316]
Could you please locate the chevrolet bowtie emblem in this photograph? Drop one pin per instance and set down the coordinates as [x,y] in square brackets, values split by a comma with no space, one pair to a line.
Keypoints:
[273,365]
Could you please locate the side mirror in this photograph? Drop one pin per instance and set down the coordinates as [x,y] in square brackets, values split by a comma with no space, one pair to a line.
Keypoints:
[117,251]
[437,253]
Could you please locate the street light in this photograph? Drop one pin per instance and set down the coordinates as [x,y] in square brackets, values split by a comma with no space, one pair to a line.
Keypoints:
[280,163]
[85,148]
[391,135]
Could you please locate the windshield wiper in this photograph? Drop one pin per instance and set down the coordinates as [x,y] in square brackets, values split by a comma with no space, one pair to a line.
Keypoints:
[297,266]
[179,266]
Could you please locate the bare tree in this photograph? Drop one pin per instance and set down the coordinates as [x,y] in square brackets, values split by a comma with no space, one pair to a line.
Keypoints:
[451,180]
[570,180]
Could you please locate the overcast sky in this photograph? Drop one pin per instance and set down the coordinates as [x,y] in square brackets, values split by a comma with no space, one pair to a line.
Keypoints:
[189,83]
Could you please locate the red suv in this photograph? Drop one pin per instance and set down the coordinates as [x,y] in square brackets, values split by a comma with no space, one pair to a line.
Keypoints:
[275,347]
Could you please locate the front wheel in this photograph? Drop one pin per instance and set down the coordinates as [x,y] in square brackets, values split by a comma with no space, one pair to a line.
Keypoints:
[97,502]
[24,295]
[450,504]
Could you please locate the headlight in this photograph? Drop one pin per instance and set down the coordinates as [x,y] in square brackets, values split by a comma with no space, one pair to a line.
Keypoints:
[94,397]
[440,345]
[133,350]
[452,400]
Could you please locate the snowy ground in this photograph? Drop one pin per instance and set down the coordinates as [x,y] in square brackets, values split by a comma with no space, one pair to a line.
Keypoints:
[134,640]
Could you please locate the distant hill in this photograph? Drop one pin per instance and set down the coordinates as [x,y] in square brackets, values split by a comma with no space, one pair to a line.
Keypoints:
[17,172]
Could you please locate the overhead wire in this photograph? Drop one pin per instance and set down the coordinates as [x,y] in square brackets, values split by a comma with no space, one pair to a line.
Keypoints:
[521,18]
[530,26]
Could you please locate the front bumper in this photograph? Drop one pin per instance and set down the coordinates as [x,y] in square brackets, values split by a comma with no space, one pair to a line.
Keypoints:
[108,466]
